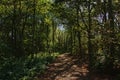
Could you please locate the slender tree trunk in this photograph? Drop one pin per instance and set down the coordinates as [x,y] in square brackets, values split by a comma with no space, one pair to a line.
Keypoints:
[89,35]
[53,35]
[47,39]
[71,40]
[111,19]
[74,40]
[20,43]
[104,19]
[14,28]
[105,16]
[78,32]
[34,25]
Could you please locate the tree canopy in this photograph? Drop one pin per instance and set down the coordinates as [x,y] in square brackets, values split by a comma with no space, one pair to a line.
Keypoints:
[86,28]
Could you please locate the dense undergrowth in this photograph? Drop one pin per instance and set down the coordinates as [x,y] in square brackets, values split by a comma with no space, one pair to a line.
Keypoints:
[24,68]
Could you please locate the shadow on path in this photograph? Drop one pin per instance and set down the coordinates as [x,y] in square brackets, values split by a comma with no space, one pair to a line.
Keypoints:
[67,67]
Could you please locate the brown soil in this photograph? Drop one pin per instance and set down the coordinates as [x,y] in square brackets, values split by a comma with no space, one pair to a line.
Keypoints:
[67,67]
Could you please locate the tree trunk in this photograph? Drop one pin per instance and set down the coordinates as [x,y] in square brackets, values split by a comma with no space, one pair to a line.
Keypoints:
[78,32]
[89,35]
[14,29]
[111,20]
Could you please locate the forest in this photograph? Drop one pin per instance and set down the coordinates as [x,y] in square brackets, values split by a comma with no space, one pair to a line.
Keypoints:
[59,39]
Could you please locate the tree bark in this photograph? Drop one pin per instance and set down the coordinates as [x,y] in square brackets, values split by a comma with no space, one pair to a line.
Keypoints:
[89,35]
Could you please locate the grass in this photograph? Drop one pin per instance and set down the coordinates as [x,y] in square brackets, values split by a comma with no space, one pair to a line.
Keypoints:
[25,68]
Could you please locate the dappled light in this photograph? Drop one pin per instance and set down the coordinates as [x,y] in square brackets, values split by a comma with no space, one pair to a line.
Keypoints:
[59,39]
[66,67]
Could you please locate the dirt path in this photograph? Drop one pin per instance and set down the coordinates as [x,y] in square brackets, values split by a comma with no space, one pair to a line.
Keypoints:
[66,67]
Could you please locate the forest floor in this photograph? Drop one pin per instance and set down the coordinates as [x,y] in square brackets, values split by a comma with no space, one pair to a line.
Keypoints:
[68,67]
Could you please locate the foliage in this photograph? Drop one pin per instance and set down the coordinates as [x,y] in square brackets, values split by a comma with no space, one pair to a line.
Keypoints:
[87,28]
[25,68]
